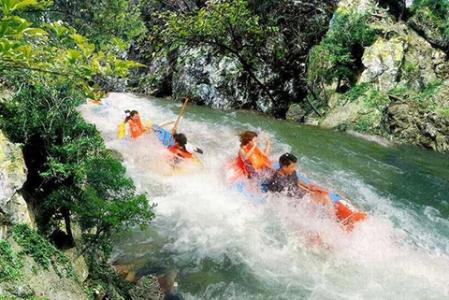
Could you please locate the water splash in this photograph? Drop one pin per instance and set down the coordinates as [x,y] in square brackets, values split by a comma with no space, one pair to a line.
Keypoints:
[227,248]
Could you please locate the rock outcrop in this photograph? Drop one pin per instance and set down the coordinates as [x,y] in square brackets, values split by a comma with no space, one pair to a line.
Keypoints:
[412,125]
[13,208]
[35,281]
[402,92]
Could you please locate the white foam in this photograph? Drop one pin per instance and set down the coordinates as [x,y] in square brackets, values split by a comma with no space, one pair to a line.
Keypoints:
[391,256]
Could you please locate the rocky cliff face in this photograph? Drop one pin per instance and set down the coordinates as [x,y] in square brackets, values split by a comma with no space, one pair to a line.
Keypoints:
[13,208]
[33,279]
[219,81]
[398,89]
[402,92]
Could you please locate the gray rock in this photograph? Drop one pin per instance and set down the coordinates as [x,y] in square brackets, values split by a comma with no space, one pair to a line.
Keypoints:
[295,113]
[209,80]
[409,124]
[13,208]
[147,288]
[422,22]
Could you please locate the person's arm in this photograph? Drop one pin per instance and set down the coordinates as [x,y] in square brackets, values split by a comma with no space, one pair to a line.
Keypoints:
[267,147]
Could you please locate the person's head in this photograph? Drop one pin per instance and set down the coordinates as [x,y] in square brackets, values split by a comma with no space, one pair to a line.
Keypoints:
[287,163]
[131,114]
[247,137]
[134,114]
[180,140]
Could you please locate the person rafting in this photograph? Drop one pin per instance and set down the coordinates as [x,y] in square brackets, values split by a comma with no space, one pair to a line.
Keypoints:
[181,149]
[285,179]
[132,125]
[251,160]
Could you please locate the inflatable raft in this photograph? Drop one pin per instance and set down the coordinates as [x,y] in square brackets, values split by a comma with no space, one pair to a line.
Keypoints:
[346,214]
[166,138]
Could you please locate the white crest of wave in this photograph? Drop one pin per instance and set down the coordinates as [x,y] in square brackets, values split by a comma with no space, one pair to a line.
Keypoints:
[202,217]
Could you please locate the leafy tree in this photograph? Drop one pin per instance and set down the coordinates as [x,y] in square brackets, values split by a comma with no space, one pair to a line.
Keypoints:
[338,57]
[70,171]
[52,49]
[108,24]
[229,28]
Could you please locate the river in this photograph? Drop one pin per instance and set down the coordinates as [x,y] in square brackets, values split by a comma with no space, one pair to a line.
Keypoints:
[224,247]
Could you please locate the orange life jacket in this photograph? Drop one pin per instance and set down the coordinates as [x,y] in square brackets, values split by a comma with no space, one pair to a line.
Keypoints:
[136,128]
[180,152]
[257,159]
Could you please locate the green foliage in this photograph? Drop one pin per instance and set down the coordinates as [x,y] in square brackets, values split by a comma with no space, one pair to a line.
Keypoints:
[335,58]
[71,170]
[52,49]
[434,14]
[10,263]
[110,25]
[356,92]
[43,253]
[103,276]
[227,26]
[368,95]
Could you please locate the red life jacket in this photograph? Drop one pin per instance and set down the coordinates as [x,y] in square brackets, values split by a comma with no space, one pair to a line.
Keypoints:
[180,152]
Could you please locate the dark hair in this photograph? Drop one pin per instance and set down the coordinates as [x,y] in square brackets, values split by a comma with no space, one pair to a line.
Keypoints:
[246,137]
[286,159]
[181,140]
[130,114]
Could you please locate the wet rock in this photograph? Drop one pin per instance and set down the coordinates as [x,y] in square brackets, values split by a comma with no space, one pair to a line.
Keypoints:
[127,272]
[295,113]
[147,288]
[209,80]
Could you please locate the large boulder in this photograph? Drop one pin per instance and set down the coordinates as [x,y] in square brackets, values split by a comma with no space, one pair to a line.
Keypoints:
[209,80]
[383,61]
[410,124]
[13,208]
[402,57]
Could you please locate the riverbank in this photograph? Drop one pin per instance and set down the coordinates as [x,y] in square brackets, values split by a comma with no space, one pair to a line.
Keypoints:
[372,67]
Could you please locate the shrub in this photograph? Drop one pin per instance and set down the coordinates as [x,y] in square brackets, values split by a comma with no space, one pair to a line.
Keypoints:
[43,253]
[10,263]
[337,57]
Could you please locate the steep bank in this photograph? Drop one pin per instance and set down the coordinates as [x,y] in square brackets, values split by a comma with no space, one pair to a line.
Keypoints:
[375,67]
[44,258]
[24,262]
[402,86]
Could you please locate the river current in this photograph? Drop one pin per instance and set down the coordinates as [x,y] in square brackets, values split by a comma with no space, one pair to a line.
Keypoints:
[225,247]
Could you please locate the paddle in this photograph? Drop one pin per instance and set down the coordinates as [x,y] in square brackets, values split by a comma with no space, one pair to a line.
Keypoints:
[181,113]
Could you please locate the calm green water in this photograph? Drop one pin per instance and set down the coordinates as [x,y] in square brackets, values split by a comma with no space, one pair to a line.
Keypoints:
[224,247]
